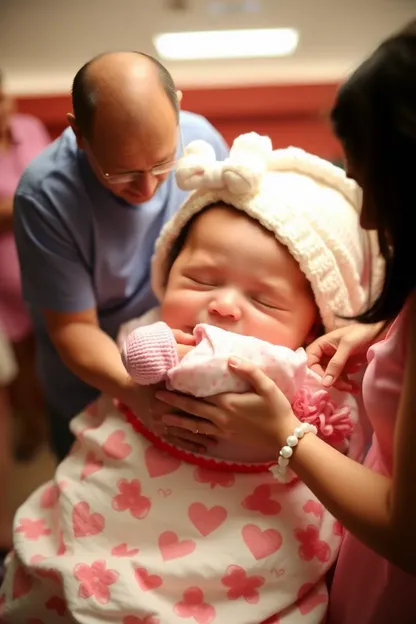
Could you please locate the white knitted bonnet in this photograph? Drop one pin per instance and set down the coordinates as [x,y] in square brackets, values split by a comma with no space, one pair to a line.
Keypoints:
[309,204]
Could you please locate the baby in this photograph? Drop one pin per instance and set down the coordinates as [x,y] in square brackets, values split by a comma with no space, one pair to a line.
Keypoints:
[263,255]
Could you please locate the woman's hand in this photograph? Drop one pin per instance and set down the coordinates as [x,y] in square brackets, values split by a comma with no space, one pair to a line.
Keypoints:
[342,352]
[262,418]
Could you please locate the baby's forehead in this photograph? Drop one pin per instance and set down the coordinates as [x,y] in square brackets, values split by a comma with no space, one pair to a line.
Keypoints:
[232,240]
[220,214]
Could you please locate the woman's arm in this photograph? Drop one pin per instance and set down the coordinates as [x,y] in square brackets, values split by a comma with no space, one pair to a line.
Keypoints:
[379,511]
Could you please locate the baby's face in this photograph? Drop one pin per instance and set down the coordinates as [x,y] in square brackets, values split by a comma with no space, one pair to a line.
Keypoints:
[234,274]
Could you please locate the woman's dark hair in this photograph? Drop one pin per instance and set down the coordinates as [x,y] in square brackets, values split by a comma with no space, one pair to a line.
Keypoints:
[375,119]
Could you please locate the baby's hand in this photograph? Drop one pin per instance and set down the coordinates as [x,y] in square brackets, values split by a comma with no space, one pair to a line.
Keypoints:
[184,342]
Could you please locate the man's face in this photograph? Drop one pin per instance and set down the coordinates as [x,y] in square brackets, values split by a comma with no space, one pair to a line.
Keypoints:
[132,152]
[133,165]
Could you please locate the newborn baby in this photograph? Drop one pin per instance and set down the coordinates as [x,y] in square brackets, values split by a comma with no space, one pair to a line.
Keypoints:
[265,254]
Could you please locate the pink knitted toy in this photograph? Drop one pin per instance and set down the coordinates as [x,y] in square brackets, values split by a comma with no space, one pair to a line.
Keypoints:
[149,352]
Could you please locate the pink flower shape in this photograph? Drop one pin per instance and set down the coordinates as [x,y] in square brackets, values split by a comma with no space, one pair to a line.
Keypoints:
[33,529]
[95,580]
[130,498]
[311,545]
[241,585]
[214,477]
[193,606]
[317,408]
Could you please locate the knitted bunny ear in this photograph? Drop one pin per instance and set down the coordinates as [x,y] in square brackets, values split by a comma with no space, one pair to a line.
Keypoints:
[240,173]
[198,157]
[249,160]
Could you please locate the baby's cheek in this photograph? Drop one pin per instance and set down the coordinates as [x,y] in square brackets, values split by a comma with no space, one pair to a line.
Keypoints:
[180,310]
[270,329]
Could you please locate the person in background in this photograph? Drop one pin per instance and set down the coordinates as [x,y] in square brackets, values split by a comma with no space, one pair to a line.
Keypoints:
[375,578]
[87,213]
[8,371]
[22,137]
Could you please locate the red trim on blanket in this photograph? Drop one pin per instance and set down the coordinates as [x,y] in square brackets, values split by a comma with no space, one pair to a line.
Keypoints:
[191,458]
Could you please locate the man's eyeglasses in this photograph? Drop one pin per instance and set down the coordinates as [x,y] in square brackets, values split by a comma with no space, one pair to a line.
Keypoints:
[132,176]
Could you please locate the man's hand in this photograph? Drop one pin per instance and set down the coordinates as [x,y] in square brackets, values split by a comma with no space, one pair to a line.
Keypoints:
[144,404]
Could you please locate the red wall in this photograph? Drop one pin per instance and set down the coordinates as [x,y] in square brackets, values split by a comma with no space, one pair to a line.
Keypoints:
[290,115]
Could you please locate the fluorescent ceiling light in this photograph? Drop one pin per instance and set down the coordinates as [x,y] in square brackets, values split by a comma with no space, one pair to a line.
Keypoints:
[221,44]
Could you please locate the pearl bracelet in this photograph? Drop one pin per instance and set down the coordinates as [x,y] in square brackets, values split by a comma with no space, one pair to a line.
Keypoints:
[292,441]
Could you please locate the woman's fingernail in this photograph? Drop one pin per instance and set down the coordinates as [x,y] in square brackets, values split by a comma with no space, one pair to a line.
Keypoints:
[327,380]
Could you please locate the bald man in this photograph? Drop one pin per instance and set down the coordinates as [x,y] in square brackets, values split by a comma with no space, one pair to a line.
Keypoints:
[87,213]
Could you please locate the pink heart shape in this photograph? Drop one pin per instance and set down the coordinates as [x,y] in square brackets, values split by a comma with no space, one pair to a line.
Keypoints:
[158,463]
[172,548]
[122,551]
[314,508]
[260,543]
[206,520]
[92,464]
[147,581]
[164,492]
[115,446]
[84,523]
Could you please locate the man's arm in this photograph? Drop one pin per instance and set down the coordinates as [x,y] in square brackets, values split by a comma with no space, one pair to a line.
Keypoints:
[88,352]
[57,280]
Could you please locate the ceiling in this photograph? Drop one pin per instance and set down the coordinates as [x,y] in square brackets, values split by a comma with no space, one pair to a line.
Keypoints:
[44,42]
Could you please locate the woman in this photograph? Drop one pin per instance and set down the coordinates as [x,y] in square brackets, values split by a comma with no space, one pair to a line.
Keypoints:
[375,119]
[22,137]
